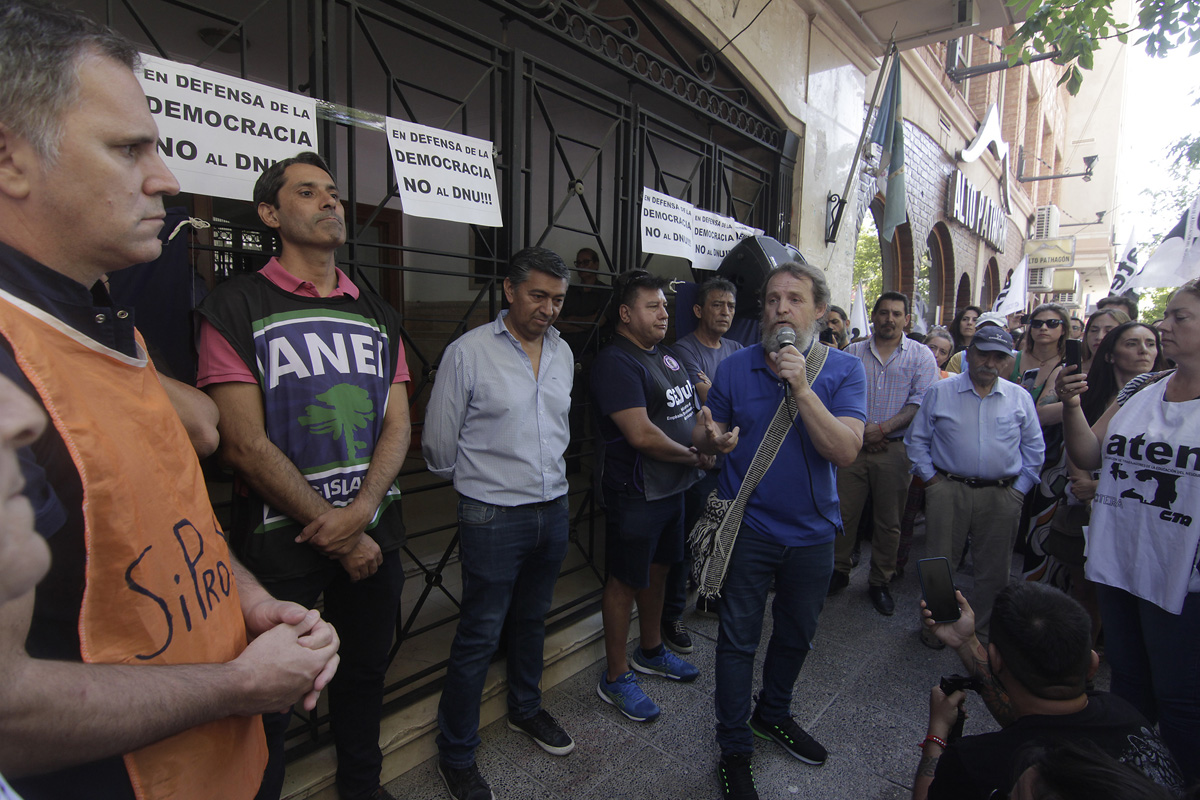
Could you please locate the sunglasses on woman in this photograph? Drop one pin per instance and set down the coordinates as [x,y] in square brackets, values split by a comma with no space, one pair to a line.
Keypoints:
[1049,323]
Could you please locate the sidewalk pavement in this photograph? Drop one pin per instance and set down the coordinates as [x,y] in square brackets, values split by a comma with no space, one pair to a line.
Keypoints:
[863,693]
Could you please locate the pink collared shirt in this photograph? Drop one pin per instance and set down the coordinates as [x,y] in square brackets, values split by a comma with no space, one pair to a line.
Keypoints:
[220,363]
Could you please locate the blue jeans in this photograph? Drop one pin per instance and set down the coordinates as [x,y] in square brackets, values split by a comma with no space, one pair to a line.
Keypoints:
[1155,658]
[801,576]
[510,561]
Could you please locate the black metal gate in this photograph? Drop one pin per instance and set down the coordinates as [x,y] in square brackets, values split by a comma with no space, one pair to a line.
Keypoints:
[585,102]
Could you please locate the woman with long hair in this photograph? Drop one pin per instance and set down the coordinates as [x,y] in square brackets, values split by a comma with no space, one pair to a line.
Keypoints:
[962,327]
[1127,351]
[1145,529]
[1036,366]
[1098,326]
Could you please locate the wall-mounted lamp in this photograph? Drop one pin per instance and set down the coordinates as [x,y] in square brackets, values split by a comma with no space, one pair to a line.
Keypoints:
[1089,164]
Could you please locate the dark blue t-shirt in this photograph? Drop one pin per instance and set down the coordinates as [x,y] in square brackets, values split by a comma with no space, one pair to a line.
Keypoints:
[796,503]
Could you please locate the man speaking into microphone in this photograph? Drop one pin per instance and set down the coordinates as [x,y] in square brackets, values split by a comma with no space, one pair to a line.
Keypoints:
[788,529]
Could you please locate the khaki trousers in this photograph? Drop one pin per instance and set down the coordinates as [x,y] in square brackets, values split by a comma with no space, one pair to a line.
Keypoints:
[885,477]
[991,515]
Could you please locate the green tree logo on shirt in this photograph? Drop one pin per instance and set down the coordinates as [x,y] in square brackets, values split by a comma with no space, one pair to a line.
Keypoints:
[347,409]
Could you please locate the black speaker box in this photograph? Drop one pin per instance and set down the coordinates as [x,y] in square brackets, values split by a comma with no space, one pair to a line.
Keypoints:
[747,266]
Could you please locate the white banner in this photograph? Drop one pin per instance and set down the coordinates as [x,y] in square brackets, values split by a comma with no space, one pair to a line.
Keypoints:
[713,236]
[217,133]
[443,175]
[666,225]
[1013,297]
[859,321]
[1177,259]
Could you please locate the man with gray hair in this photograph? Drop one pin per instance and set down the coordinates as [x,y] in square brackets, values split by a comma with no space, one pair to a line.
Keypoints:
[497,425]
[787,532]
[129,666]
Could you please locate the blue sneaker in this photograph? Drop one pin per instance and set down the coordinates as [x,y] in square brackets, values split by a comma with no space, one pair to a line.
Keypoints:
[628,697]
[666,664]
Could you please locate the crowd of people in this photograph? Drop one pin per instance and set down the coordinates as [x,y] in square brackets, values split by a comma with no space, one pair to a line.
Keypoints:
[159,656]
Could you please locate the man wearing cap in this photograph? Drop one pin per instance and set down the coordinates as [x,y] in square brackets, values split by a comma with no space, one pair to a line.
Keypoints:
[958,361]
[977,444]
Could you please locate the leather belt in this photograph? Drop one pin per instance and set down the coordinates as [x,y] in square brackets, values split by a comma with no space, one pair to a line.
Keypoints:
[976,483]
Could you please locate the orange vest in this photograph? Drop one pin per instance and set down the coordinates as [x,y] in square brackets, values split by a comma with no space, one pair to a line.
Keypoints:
[159,586]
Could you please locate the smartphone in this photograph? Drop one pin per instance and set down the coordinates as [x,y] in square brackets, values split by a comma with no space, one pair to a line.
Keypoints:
[1074,354]
[937,586]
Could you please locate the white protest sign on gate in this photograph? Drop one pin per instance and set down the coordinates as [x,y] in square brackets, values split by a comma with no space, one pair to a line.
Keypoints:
[444,175]
[666,225]
[218,133]
[713,236]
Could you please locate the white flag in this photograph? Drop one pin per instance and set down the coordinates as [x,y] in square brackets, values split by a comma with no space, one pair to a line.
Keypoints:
[859,325]
[1127,267]
[1012,297]
[919,310]
[1177,259]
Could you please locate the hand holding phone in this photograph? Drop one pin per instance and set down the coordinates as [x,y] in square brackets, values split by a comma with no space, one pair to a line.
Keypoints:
[937,587]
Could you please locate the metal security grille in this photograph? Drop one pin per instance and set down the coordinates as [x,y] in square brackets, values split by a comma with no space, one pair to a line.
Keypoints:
[586,103]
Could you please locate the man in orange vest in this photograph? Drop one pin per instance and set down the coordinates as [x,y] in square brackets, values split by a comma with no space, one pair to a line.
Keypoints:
[129,673]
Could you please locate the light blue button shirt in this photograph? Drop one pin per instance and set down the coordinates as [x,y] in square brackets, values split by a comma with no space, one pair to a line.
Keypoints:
[493,428]
[990,438]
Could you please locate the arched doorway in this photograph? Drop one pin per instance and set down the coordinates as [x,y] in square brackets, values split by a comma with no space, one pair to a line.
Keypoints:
[991,283]
[896,256]
[962,298]
[934,285]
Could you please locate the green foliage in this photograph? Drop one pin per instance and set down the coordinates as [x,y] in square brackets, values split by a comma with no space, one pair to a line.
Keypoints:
[1152,304]
[868,262]
[1076,28]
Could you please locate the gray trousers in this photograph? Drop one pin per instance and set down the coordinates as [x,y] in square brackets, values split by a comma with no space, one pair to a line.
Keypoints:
[991,515]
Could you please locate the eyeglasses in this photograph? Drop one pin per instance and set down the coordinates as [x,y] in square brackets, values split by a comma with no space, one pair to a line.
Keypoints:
[1049,323]
[582,261]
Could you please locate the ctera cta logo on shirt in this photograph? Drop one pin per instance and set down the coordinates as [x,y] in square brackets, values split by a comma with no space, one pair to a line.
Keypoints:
[671,363]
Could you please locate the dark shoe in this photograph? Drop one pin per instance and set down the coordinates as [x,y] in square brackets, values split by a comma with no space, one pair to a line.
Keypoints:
[881,597]
[381,794]
[708,607]
[736,777]
[856,555]
[465,784]
[675,635]
[544,730]
[790,737]
[930,639]
[838,581]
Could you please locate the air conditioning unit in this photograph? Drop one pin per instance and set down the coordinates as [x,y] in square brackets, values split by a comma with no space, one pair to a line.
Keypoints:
[1046,225]
[1041,279]
[1066,299]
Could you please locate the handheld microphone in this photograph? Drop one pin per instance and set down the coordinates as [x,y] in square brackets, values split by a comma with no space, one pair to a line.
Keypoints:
[786,337]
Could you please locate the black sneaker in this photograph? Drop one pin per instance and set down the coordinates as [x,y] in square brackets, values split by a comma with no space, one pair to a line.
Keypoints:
[465,784]
[544,730]
[791,737]
[736,777]
[675,635]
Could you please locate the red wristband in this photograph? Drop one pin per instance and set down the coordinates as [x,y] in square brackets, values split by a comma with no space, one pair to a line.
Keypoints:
[936,740]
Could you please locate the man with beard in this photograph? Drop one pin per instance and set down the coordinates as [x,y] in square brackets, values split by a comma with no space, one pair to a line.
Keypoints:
[977,445]
[899,370]
[788,529]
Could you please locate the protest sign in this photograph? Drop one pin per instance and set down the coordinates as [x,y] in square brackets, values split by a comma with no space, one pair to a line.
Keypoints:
[444,175]
[218,133]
